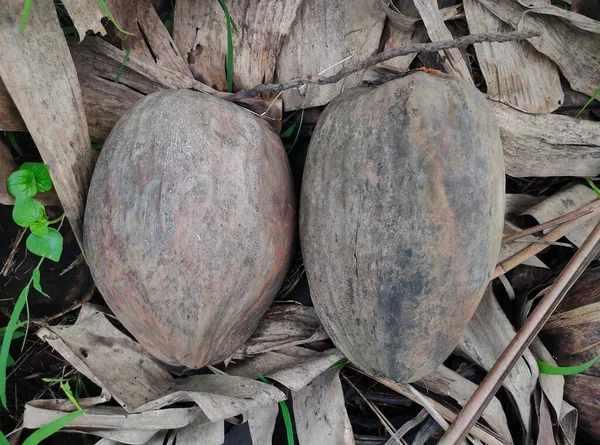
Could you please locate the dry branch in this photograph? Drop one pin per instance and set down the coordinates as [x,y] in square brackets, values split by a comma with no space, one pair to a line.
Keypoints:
[382,57]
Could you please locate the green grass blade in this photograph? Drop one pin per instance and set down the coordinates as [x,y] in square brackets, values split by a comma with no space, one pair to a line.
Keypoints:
[340,363]
[593,186]
[125,59]
[25,15]
[546,368]
[67,390]
[13,142]
[3,439]
[230,24]
[48,430]
[587,104]
[297,133]
[110,17]
[6,341]
[287,133]
[285,413]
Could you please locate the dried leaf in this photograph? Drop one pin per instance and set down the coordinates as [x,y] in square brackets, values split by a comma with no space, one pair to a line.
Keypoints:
[293,367]
[552,385]
[324,33]
[320,411]
[533,143]
[284,325]
[563,202]
[487,335]
[567,425]
[445,382]
[261,423]
[436,29]
[59,131]
[545,433]
[396,37]
[581,67]
[203,431]
[86,15]
[149,40]
[507,250]
[516,204]
[114,361]
[10,119]
[515,73]
[200,34]
[7,167]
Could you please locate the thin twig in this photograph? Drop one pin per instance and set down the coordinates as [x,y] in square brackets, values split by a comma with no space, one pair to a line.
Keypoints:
[530,329]
[430,47]
[593,207]
[537,241]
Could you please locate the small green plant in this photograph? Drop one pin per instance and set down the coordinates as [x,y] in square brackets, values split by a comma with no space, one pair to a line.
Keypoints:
[53,427]
[593,186]
[288,133]
[340,363]
[285,412]
[591,99]
[546,368]
[230,25]
[45,241]
[66,388]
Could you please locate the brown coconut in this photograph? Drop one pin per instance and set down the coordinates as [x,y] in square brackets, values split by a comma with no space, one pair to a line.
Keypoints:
[572,335]
[401,219]
[189,224]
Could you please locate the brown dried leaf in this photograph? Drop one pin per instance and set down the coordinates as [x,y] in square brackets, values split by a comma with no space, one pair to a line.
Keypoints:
[564,201]
[445,382]
[284,325]
[436,29]
[515,73]
[547,144]
[86,15]
[150,40]
[558,41]
[487,335]
[10,119]
[515,203]
[261,423]
[324,33]
[38,72]
[200,34]
[320,411]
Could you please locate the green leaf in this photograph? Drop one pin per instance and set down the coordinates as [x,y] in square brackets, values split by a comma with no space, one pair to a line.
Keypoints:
[49,246]
[40,227]
[298,132]
[67,390]
[25,15]
[3,439]
[20,325]
[7,340]
[587,104]
[546,368]
[27,211]
[21,184]
[35,277]
[48,430]
[40,171]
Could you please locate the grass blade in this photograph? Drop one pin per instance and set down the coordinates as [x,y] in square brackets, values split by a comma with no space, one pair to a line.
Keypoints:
[51,428]
[3,439]
[593,186]
[25,15]
[298,132]
[7,340]
[110,17]
[587,104]
[546,368]
[340,363]
[285,413]
[287,133]
[13,142]
[125,59]
[230,24]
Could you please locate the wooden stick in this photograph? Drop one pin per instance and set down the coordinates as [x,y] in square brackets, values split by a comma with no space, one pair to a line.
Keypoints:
[530,329]
[430,47]
[534,249]
[593,207]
